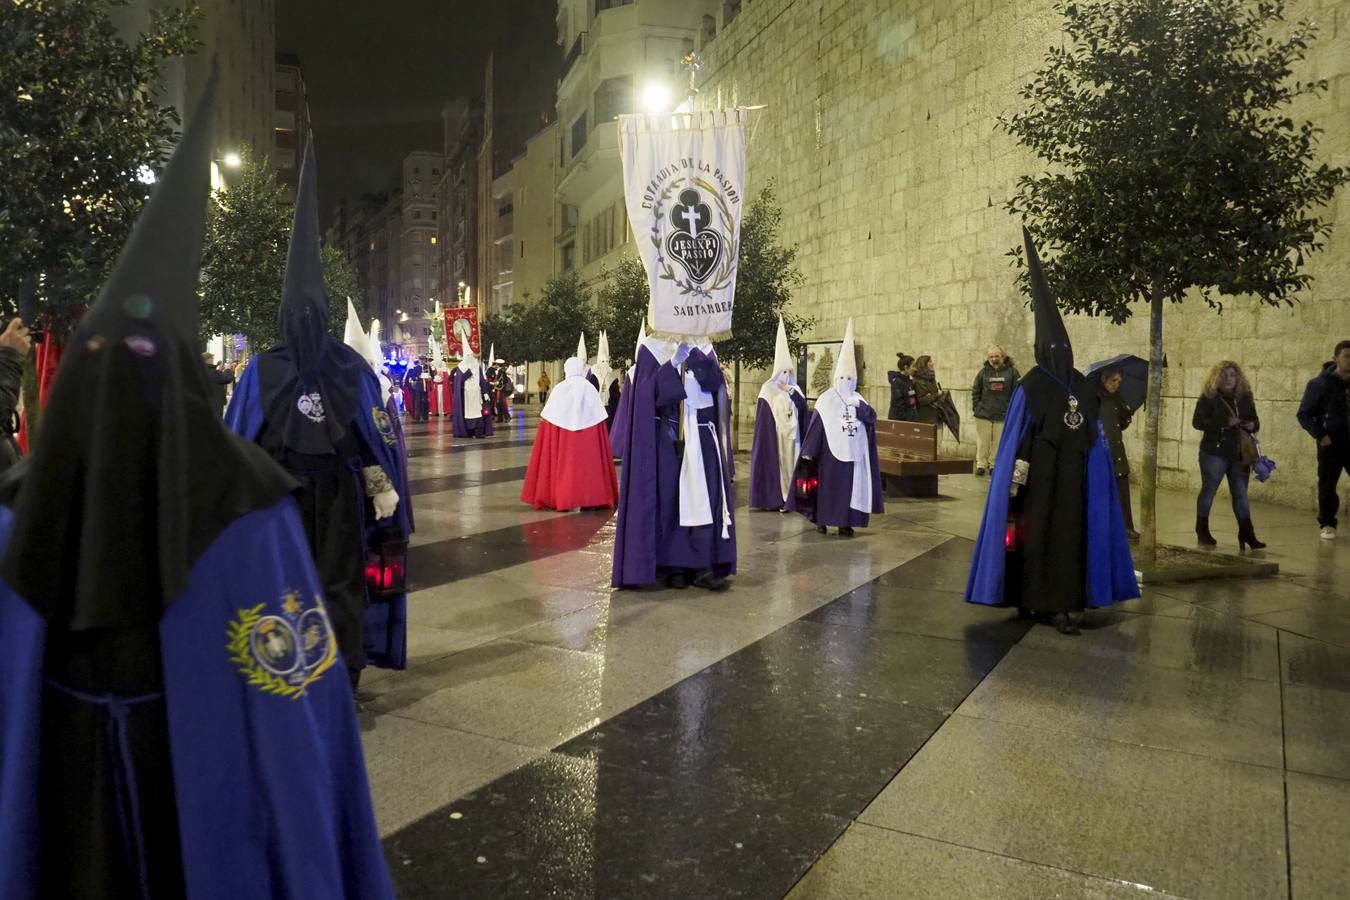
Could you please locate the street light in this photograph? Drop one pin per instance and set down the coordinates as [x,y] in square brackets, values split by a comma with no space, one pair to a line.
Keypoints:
[233,160]
[655,97]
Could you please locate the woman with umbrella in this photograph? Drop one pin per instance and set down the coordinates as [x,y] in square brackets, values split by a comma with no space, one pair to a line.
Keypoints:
[1115,417]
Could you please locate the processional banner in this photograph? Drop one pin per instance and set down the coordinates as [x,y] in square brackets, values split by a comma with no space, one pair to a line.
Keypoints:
[461,321]
[684,177]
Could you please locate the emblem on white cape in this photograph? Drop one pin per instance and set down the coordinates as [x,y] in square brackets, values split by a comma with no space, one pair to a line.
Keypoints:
[574,404]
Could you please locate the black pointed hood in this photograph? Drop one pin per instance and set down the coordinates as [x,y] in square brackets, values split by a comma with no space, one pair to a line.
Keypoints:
[304,299]
[133,474]
[1054,353]
[309,383]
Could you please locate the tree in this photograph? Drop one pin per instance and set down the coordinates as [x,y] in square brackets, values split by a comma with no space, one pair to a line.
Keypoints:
[621,305]
[1175,167]
[509,332]
[764,282]
[82,135]
[244,259]
[339,277]
[552,321]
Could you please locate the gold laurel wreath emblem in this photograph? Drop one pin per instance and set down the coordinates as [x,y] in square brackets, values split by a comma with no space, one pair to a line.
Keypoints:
[239,634]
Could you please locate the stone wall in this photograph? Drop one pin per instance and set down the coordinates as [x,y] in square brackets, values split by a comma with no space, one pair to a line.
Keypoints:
[880,133]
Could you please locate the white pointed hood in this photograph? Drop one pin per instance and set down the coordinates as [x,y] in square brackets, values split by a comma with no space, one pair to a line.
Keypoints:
[353,335]
[604,373]
[467,361]
[846,367]
[581,348]
[782,354]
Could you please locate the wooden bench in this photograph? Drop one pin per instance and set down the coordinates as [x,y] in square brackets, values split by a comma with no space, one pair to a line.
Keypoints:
[907,453]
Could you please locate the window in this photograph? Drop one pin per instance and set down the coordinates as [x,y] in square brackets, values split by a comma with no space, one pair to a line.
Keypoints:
[602,5]
[522,249]
[569,256]
[417,214]
[578,134]
[434,240]
[435,171]
[614,97]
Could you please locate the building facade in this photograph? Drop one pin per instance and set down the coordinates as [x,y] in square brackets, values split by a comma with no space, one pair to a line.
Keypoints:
[613,51]
[880,135]
[290,124]
[458,199]
[241,35]
[534,227]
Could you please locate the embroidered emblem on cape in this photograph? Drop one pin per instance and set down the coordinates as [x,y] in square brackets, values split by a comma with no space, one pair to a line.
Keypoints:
[310,406]
[383,425]
[1073,419]
[849,422]
[284,650]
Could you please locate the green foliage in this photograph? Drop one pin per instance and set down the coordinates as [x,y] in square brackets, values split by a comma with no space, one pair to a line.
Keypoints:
[244,261]
[340,279]
[543,327]
[509,332]
[621,304]
[79,121]
[768,273]
[1174,162]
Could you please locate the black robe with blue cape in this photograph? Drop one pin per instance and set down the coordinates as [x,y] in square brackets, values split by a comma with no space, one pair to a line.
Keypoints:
[1108,567]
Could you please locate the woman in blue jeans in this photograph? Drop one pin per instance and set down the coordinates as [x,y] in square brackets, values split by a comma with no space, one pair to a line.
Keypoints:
[1224,411]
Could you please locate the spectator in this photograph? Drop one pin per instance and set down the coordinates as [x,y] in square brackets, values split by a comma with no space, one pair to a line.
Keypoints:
[219,381]
[1115,418]
[993,390]
[1325,414]
[1226,413]
[545,384]
[15,343]
[928,393]
[904,400]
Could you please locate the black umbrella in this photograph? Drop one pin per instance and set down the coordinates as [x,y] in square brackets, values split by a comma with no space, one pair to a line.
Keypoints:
[1134,378]
[947,415]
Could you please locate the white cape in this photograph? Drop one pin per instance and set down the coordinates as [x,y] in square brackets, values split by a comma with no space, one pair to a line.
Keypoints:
[847,439]
[574,405]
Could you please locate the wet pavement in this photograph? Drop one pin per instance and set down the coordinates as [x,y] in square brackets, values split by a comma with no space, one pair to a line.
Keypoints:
[840,724]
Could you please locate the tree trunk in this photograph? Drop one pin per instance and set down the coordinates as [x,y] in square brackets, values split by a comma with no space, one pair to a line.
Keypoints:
[1148,478]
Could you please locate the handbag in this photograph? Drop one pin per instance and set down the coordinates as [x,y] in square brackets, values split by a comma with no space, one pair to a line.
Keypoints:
[1248,450]
[1264,465]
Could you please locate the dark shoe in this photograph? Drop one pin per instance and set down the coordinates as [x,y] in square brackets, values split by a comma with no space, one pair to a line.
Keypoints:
[676,580]
[822,529]
[710,581]
[1247,536]
[980,471]
[846,532]
[1202,535]
[1065,624]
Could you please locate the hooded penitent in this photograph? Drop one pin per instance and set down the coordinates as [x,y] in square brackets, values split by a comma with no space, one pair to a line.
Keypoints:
[779,422]
[309,383]
[604,374]
[139,530]
[1067,534]
[848,439]
[571,464]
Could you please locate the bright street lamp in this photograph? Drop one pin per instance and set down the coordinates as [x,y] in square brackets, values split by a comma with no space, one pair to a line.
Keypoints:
[233,160]
[655,97]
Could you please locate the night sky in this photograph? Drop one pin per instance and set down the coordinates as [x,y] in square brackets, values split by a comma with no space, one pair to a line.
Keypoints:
[378,74]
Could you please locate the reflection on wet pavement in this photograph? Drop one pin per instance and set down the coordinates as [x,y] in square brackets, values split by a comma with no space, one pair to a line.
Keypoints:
[840,724]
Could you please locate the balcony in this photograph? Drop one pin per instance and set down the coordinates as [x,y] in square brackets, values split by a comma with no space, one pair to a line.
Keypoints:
[505,228]
[593,166]
[577,52]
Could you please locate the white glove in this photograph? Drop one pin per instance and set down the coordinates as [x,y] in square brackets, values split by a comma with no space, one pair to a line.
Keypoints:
[681,354]
[386,503]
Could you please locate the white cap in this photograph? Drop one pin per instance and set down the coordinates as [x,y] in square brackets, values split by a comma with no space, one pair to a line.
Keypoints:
[602,354]
[581,347]
[782,355]
[353,335]
[847,364]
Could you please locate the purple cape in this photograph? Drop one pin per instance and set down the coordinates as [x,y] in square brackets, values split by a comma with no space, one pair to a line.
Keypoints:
[1110,567]
[836,477]
[459,426]
[702,546]
[766,472]
[649,478]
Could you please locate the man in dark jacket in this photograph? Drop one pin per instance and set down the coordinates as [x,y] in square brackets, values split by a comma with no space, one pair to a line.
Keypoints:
[904,399]
[219,381]
[990,396]
[1325,414]
[14,345]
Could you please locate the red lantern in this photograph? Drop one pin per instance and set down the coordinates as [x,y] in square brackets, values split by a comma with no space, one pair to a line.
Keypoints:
[387,569]
[1012,536]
